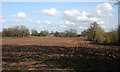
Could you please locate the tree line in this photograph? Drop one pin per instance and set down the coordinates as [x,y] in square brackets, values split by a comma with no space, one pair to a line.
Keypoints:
[67,33]
[22,31]
[17,31]
[96,34]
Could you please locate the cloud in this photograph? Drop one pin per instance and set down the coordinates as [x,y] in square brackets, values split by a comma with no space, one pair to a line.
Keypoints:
[75,15]
[104,9]
[38,22]
[30,20]
[79,19]
[41,26]
[63,26]
[0,17]
[17,20]
[19,17]
[81,27]
[98,11]
[51,12]
[54,28]
[98,14]
[101,22]
[110,15]
[72,13]
[94,19]
[2,20]
[73,23]
[69,23]
[47,22]
[82,17]
[103,26]
[105,6]
[17,24]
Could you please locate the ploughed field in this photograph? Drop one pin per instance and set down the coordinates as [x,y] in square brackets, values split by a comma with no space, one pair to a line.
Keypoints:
[44,53]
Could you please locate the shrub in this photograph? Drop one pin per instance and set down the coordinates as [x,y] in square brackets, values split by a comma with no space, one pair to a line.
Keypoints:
[99,35]
[114,37]
[119,34]
[0,34]
[107,39]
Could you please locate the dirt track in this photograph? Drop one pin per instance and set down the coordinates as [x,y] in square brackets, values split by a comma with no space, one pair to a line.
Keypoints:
[57,53]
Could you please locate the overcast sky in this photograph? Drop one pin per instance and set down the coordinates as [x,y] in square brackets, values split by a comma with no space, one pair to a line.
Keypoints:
[59,16]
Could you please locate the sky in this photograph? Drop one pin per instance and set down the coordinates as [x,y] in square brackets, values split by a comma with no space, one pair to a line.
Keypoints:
[59,16]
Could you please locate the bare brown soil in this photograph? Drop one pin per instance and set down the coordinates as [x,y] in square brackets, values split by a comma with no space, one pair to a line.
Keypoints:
[44,41]
[42,53]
